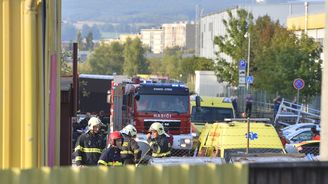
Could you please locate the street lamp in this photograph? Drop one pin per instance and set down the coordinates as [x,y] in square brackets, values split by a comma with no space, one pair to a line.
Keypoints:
[248,35]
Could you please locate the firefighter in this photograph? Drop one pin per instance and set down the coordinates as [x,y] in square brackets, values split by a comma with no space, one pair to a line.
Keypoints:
[112,156]
[158,141]
[130,149]
[90,145]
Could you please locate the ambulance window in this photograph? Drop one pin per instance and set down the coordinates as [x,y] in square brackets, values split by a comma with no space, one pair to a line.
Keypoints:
[210,114]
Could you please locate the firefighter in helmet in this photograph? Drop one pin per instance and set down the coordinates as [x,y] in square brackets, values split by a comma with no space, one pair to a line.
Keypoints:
[158,141]
[130,149]
[111,156]
[90,144]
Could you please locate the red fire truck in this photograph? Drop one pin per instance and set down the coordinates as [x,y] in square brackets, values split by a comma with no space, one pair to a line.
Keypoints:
[146,103]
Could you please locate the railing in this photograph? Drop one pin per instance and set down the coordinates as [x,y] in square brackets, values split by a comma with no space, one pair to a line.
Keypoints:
[292,113]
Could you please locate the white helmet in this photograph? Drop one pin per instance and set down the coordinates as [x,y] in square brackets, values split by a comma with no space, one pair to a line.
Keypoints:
[157,127]
[129,130]
[93,122]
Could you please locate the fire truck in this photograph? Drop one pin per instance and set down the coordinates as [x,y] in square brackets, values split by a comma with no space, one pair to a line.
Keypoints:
[142,104]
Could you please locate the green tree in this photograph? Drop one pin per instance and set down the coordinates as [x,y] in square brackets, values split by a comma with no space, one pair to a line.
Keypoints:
[171,63]
[134,60]
[65,68]
[79,40]
[286,59]
[89,41]
[107,59]
[189,65]
[277,56]
[154,66]
[234,44]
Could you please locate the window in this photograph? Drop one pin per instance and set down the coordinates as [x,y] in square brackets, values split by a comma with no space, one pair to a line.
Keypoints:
[210,114]
[163,103]
[303,136]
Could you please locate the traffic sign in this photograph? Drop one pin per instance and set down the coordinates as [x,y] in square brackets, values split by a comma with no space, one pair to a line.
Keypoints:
[242,64]
[298,84]
[250,79]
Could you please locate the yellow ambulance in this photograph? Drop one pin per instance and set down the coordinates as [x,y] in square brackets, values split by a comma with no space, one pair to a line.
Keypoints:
[224,139]
[206,109]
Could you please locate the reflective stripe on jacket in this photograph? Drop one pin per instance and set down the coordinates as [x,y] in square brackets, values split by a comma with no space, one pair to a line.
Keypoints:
[88,148]
[130,152]
[111,157]
[160,146]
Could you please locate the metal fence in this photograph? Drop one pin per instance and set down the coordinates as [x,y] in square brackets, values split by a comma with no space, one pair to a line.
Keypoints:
[262,101]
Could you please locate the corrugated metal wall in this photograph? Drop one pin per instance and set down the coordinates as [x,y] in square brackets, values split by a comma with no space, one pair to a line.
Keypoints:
[28,60]
[207,174]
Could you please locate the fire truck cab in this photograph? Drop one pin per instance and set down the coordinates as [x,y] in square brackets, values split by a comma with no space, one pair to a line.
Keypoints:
[146,103]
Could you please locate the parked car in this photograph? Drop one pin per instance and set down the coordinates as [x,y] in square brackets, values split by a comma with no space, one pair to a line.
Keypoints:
[306,147]
[300,135]
[292,128]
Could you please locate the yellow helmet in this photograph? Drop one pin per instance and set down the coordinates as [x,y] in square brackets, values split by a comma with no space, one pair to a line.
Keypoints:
[157,127]
[130,130]
[93,122]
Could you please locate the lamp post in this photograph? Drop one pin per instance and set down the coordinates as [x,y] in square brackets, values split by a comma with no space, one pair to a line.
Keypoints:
[248,56]
[247,35]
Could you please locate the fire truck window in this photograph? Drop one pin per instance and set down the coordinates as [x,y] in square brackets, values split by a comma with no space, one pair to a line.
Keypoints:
[163,103]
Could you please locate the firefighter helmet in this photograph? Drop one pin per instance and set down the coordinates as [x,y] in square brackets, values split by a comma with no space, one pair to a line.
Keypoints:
[157,127]
[130,130]
[93,122]
[114,136]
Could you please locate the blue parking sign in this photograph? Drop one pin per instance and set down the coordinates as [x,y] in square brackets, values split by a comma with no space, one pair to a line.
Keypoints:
[242,64]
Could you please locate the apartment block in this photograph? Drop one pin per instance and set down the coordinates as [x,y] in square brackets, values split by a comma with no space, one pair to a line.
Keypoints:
[180,34]
[153,38]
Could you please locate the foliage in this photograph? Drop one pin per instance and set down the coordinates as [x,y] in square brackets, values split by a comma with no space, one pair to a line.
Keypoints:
[89,41]
[173,65]
[234,44]
[107,59]
[65,68]
[277,56]
[79,40]
[134,60]
[286,59]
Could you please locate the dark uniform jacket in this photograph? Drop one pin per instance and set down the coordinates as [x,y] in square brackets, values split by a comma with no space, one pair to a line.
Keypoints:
[130,150]
[111,157]
[160,146]
[89,147]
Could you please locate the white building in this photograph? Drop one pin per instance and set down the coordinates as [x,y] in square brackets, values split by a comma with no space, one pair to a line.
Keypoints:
[180,34]
[211,25]
[153,38]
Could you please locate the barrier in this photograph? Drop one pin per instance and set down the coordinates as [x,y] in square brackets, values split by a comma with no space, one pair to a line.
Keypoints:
[194,174]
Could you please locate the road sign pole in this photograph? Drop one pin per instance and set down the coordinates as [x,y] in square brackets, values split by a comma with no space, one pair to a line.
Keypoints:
[298,96]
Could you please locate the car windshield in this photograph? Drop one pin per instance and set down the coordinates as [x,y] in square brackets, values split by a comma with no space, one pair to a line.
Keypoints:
[210,114]
[163,103]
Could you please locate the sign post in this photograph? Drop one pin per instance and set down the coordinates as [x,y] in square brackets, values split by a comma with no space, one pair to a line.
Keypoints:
[242,73]
[298,84]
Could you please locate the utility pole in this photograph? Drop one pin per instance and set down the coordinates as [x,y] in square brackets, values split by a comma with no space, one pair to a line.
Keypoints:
[248,56]
[324,99]
[306,6]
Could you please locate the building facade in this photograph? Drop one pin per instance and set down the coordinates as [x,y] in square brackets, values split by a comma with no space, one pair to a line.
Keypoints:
[153,38]
[180,34]
[313,25]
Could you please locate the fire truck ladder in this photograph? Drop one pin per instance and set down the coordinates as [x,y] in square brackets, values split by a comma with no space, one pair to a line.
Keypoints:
[291,113]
